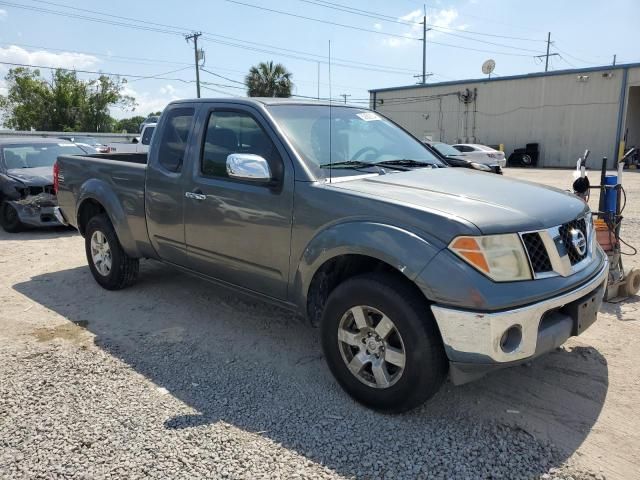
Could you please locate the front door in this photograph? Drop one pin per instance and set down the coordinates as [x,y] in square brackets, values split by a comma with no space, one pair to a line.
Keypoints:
[238,231]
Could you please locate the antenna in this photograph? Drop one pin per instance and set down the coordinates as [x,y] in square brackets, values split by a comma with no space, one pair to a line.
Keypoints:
[488,67]
[330,123]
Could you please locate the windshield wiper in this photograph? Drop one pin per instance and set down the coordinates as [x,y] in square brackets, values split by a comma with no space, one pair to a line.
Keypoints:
[347,164]
[404,162]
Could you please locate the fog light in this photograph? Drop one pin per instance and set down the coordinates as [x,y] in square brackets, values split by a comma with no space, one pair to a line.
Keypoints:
[511,339]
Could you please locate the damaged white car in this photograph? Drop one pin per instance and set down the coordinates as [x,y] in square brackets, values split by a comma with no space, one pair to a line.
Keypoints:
[27,197]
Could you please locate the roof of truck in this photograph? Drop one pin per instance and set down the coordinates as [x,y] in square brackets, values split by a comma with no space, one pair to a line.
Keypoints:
[268,101]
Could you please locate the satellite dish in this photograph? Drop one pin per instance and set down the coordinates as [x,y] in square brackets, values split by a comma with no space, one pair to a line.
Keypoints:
[488,66]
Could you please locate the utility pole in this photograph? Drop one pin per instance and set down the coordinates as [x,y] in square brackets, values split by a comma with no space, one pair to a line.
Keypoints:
[424,46]
[194,36]
[344,95]
[318,80]
[546,63]
[614,60]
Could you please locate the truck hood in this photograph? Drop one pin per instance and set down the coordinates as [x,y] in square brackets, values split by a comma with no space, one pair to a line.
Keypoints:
[493,203]
[32,177]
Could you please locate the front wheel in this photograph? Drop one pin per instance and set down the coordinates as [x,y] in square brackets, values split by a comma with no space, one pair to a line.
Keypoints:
[381,343]
[9,218]
[111,267]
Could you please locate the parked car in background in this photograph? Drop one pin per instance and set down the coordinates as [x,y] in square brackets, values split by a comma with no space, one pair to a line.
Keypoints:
[482,154]
[455,158]
[411,269]
[26,181]
[148,120]
[88,144]
[138,145]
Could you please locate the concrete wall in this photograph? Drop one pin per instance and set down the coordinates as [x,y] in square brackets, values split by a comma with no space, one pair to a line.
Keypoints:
[563,113]
[102,137]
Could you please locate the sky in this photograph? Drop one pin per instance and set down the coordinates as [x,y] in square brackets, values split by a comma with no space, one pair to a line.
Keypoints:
[373,44]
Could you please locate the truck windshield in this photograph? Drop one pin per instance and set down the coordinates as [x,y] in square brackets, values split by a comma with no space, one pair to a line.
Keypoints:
[357,141]
[33,155]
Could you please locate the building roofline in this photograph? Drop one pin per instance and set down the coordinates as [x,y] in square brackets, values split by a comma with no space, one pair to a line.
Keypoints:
[621,66]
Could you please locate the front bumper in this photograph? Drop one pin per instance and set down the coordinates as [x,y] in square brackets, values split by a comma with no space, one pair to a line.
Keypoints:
[477,343]
[37,210]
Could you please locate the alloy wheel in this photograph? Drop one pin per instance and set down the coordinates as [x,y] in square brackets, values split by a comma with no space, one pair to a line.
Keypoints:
[371,346]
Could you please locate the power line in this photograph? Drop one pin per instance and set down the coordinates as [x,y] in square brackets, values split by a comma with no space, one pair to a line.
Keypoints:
[353,27]
[222,76]
[151,77]
[172,30]
[441,29]
[135,60]
[141,77]
[344,25]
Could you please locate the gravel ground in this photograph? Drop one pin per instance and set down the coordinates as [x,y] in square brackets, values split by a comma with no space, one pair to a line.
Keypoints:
[176,378]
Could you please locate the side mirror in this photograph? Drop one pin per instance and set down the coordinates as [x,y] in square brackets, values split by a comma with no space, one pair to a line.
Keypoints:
[247,166]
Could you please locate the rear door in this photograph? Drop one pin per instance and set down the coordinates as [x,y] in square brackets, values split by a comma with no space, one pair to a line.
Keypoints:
[238,231]
[164,193]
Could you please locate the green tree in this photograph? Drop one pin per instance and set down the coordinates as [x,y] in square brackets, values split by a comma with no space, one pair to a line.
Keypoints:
[66,103]
[268,80]
[129,125]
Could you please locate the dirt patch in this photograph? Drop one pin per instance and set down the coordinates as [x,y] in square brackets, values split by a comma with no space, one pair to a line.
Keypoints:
[75,332]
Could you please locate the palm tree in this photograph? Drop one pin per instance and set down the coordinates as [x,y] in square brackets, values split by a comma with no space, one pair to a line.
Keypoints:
[268,80]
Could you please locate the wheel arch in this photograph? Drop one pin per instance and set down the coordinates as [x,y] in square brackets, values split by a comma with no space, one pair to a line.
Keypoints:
[96,197]
[350,249]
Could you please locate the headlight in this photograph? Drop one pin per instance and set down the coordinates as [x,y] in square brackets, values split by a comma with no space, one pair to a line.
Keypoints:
[480,166]
[500,257]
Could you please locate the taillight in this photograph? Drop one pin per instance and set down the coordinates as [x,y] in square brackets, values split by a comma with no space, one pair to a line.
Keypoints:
[56,171]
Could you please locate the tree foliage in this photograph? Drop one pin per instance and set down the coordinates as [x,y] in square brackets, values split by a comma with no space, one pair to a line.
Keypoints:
[65,103]
[129,125]
[268,80]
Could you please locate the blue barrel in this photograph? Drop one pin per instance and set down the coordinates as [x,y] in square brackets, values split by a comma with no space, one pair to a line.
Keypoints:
[610,194]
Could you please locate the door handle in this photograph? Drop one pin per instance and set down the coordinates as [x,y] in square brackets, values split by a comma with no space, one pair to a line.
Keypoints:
[197,195]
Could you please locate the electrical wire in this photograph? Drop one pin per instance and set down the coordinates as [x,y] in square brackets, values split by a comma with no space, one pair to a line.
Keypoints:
[181,31]
[353,27]
[221,76]
[389,18]
[328,22]
[141,77]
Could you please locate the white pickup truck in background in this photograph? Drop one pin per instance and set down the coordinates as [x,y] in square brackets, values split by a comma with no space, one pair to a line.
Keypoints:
[138,145]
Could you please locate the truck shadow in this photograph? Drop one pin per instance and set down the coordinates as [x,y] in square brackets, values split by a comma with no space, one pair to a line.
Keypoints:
[257,367]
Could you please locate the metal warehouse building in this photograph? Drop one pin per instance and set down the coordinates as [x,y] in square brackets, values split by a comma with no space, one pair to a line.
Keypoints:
[564,112]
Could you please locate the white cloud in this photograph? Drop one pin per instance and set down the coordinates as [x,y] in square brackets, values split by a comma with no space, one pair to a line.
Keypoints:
[45,58]
[148,101]
[3,14]
[442,19]
[377,26]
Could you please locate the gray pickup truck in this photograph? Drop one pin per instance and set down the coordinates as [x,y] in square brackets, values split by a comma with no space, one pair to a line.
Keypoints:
[412,270]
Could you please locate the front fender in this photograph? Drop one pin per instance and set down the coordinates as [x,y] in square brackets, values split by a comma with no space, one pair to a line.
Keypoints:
[401,249]
[101,192]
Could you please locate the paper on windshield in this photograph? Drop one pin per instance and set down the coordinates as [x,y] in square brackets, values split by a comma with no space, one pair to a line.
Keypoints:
[368,116]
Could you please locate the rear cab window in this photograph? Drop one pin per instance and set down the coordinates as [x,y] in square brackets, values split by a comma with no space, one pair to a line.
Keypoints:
[175,137]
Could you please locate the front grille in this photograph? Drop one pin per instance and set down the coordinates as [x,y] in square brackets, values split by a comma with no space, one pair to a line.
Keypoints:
[540,261]
[565,234]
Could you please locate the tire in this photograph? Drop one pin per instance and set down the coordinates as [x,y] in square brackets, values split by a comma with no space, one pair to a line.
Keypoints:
[374,297]
[526,160]
[110,266]
[9,218]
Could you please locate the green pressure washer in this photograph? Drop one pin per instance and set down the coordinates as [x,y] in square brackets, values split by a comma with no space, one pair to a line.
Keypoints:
[608,223]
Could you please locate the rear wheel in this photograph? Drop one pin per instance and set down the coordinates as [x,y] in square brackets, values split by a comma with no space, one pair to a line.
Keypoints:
[382,344]
[111,267]
[9,218]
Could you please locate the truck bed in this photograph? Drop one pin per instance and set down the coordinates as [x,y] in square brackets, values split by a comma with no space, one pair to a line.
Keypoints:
[119,181]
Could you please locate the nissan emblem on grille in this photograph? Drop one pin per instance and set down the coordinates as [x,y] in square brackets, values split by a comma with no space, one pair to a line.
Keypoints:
[578,241]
